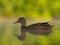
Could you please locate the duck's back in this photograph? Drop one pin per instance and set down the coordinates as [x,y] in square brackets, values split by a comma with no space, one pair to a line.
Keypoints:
[39,28]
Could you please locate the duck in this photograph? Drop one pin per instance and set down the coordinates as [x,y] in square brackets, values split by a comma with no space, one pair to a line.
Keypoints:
[43,28]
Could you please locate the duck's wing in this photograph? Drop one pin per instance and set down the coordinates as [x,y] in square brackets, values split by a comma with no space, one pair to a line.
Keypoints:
[38,24]
[45,23]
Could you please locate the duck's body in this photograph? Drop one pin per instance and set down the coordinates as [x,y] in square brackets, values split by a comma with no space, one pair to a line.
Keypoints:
[38,28]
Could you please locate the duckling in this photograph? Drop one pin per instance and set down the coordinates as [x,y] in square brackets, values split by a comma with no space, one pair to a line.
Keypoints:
[38,28]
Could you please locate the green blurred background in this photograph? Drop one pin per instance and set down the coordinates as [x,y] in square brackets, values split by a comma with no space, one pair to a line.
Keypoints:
[34,11]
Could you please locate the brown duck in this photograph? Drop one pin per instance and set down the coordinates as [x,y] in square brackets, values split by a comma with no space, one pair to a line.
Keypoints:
[38,28]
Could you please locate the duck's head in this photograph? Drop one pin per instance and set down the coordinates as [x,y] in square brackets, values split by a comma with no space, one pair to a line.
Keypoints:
[21,20]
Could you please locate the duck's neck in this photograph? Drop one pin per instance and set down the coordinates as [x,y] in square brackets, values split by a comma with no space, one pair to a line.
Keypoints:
[23,23]
[23,33]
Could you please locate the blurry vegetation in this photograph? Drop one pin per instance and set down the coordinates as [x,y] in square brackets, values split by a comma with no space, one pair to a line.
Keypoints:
[25,7]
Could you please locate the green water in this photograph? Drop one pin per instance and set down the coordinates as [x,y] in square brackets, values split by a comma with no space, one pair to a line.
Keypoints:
[7,36]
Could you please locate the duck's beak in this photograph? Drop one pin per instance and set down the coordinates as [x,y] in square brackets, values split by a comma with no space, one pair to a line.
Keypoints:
[15,22]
